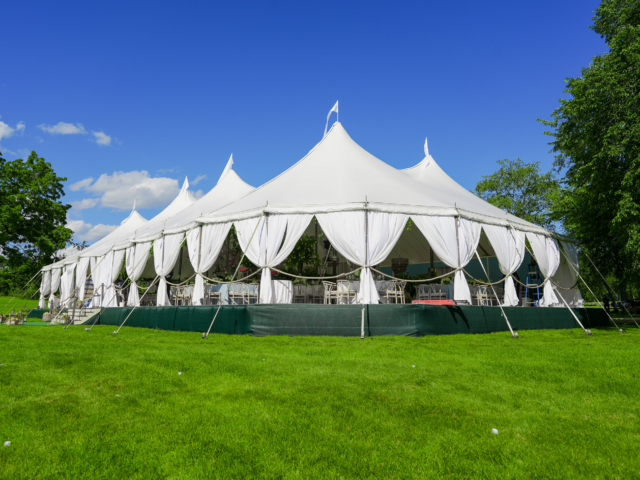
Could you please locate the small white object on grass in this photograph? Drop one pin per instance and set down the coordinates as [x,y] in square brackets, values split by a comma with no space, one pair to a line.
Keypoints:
[7,443]
[117,395]
[263,359]
[413,366]
[494,431]
[179,373]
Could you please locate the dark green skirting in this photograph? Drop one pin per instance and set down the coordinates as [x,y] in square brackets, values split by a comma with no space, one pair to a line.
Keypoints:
[345,320]
[37,312]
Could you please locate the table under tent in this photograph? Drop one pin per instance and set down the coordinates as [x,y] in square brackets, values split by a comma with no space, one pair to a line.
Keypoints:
[226,247]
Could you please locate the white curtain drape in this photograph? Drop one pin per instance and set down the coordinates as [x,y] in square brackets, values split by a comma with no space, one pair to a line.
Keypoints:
[101,274]
[165,254]
[81,276]
[346,232]
[66,284]
[204,252]
[547,255]
[111,272]
[45,289]
[567,275]
[440,232]
[55,284]
[509,247]
[270,247]
[136,260]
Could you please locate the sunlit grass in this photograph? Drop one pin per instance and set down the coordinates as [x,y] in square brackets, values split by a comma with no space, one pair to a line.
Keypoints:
[90,405]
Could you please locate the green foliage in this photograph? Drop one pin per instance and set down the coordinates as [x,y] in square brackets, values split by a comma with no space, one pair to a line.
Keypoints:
[520,189]
[596,134]
[32,219]
[79,405]
[304,258]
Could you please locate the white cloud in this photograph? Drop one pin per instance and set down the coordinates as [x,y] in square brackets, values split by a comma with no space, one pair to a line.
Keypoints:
[20,127]
[81,184]
[6,131]
[102,139]
[198,179]
[84,203]
[89,233]
[62,128]
[6,150]
[120,189]
[198,194]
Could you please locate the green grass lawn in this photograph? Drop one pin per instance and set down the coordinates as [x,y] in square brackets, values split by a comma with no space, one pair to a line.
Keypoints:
[11,303]
[90,405]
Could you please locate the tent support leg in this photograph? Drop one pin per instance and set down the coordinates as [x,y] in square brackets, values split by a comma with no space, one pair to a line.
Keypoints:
[588,332]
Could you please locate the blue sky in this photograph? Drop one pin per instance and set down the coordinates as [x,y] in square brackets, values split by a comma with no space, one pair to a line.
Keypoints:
[173,88]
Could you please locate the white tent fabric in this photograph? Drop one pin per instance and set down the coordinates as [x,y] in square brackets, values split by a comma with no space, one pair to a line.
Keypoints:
[154,228]
[429,173]
[229,188]
[203,254]
[547,254]
[136,260]
[45,289]
[126,228]
[267,248]
[96,264]
[508,244]
[346,232]
[81,276]
[277,251]
[55,284]
[165,255]
[440,232]
[66,285]
[112,271]
[567,275]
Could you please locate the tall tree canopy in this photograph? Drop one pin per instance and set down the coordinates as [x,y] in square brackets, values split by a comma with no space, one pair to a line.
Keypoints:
[32,219]
[596,134]
[520,189]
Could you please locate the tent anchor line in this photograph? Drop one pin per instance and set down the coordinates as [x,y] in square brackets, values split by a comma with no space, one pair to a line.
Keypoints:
[206,335]
[19,291]
[513,334]
[594,295]
[588,332]
[134,308]
[607,283]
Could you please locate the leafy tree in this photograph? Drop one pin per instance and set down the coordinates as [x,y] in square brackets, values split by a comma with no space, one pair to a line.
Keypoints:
[596,133]
[32,219]
[520,189]
[304,258]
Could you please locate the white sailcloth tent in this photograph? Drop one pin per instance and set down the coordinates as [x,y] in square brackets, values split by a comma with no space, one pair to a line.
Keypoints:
[362,205]
[54,271]
[166,232]
[508,241]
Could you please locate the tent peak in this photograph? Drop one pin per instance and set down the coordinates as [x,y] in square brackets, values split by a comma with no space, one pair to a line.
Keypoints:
[227,168]
[185,185]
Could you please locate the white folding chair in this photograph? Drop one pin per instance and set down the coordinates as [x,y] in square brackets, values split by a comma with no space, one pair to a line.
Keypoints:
[330,293]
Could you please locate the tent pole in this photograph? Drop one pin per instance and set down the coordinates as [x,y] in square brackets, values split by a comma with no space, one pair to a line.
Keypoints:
[513,334]
[457,220]
[199,257]
[366,260]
